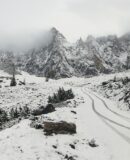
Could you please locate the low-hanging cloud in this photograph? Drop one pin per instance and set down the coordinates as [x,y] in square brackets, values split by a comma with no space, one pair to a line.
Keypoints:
[24,41]
[23,22]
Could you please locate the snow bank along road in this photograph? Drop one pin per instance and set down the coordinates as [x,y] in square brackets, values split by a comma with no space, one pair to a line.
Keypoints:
[108,125]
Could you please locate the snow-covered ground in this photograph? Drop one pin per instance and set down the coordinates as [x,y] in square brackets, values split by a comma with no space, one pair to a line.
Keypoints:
[96,117]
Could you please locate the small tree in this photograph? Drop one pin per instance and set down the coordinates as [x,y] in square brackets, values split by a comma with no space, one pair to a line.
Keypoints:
[114,80]
[11,113]
[47,79]
[3,116]
[70,94]
[13,81]
[47,76]
[50,74]
[14,113]
[25,111]
[50,99]
[55,98]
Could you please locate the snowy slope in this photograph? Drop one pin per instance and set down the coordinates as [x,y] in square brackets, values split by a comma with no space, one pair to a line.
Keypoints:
[93,119]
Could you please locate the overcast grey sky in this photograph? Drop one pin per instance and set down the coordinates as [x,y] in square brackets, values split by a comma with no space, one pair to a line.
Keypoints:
[74,18]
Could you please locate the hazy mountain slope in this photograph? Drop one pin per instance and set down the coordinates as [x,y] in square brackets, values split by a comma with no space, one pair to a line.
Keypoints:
[59,58]
[62,59]
[7,61]
[49,61]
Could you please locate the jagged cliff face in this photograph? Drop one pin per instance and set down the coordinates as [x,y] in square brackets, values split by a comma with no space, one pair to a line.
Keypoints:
[60,59]
[50,60]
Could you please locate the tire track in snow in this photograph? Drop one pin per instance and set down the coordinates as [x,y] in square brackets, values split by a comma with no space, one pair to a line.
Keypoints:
[105,119]
[93,106]
[106,106]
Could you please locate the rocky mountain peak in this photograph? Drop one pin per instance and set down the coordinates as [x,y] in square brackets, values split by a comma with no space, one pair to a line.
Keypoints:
[80,43]
[92,44]
[54,30]
[57,37]
[90,38]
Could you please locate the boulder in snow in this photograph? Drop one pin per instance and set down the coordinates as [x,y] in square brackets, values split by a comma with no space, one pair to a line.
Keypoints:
[59,128]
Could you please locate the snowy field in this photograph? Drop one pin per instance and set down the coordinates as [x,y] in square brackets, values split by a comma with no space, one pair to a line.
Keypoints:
[94,116]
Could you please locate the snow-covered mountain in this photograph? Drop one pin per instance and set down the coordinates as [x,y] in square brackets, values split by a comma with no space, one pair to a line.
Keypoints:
[59,58]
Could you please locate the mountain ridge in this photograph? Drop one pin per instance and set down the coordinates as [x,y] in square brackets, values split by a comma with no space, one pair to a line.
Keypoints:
[60,59]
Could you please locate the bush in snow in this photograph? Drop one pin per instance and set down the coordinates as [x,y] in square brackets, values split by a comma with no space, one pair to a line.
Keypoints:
[24,112]
[36,125]
[43,110]
[14,113]
[3,116]
[47,79]
[125,80]
[21,112]
[61,96]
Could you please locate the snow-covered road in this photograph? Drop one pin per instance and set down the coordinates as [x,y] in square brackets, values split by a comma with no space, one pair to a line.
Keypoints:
[111,127]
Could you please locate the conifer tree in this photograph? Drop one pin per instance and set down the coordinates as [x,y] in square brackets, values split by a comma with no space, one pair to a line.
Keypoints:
[13,81]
